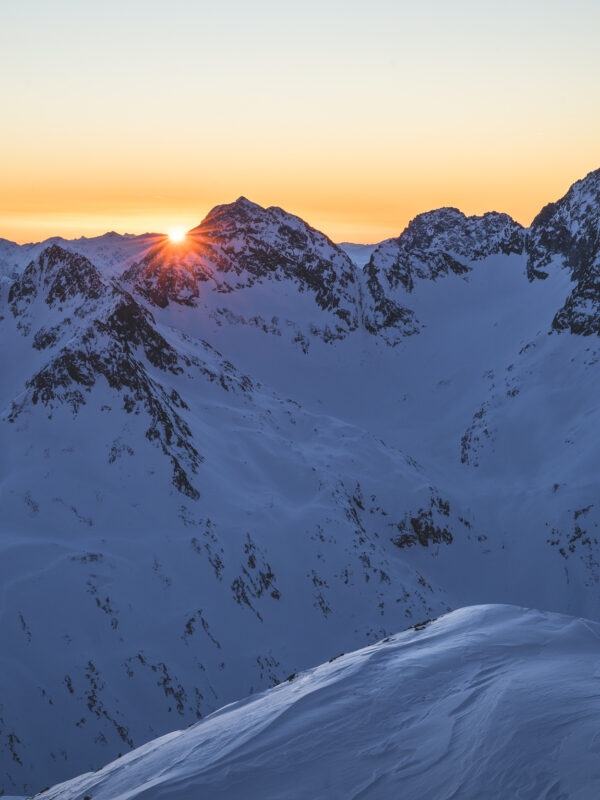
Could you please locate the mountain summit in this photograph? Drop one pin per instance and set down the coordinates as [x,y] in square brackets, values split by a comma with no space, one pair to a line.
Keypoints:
[226,460]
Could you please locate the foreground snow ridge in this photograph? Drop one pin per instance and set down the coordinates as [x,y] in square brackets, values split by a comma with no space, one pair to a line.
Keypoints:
[489,701]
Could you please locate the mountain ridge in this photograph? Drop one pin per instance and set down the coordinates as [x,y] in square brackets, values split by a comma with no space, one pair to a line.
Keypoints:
[212,478]
[447,706]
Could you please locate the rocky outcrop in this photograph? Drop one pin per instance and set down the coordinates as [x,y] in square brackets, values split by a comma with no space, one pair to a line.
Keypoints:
[566,235]
[435,244]
[240,245]
[101,335]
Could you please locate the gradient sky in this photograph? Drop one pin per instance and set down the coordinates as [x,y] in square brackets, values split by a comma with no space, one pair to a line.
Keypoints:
[135,115]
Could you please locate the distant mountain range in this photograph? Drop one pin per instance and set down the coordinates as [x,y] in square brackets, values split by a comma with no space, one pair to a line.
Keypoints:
[230,459]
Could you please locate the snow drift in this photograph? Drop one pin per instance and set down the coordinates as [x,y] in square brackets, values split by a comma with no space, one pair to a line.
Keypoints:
[485,702]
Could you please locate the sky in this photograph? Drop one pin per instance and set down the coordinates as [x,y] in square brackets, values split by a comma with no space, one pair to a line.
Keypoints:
[137,115]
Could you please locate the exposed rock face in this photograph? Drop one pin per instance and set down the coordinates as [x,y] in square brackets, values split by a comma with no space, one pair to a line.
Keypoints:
[240,245]
[567,230]
[56,276]
[567,234]
[443,241]
[100,332]
[433,245]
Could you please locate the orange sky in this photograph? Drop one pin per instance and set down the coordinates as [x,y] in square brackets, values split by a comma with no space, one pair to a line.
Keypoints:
[137,116]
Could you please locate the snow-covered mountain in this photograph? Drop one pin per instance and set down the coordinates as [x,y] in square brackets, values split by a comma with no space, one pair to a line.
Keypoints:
[241,247]
[566,236]
[111,251]
[486,702]
[226,459]
[168,518]
[434,245]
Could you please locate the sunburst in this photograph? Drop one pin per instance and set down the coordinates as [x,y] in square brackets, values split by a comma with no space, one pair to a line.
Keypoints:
[177,235]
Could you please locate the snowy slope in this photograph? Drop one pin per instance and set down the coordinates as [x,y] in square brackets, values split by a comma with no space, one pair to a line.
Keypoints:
[167,521]
[111,252]
[224,460]
[434,245]
[486,702]
[359,254]
[251,267]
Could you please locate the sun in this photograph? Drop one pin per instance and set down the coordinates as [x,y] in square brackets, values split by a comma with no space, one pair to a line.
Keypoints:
[177,235]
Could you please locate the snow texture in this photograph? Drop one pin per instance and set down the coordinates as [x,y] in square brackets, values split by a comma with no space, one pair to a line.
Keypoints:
[225,460]
[486,702]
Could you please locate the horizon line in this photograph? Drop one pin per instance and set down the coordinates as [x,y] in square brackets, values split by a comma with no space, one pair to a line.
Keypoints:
[359,240]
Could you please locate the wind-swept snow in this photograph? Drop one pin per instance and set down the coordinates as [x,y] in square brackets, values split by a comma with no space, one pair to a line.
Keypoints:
[486,702]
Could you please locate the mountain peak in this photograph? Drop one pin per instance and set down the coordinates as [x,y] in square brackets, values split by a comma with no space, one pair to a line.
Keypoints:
[567,230]
[440,242]
[591,180]
[228,215]
[452,224]
[56,274]
[241,244]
